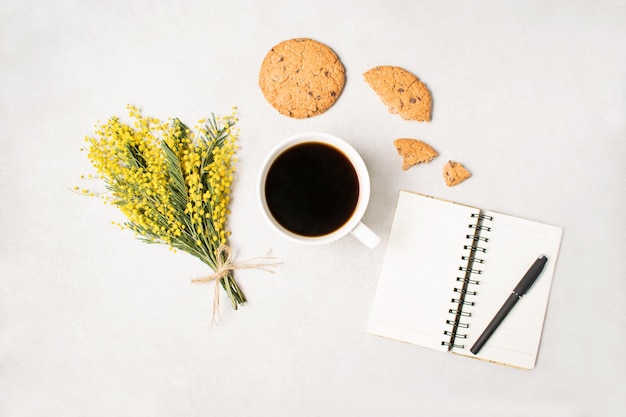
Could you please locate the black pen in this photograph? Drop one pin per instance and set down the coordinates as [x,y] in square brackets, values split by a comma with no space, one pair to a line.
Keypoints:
[524,285]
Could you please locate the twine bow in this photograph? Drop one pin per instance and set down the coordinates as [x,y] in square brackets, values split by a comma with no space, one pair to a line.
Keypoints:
[224,265]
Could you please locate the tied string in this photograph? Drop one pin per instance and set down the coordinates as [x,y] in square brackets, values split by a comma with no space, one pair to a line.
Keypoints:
[224,266]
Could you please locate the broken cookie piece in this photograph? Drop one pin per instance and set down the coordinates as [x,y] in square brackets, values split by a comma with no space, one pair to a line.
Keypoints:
[414,152]
[455,173]
[402,92]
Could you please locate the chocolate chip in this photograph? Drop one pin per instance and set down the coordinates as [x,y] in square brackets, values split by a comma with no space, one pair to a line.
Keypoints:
[333,94]
[400,90]
[412,100]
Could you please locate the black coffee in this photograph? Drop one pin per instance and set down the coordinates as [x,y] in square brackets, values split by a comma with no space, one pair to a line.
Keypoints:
[312,189]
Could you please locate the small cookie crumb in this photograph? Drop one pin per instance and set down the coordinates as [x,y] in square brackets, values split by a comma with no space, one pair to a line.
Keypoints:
[455,173]
[402,92]
[414,152]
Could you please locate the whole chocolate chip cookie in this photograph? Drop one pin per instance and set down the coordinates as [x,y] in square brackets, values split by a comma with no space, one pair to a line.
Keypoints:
[301,77]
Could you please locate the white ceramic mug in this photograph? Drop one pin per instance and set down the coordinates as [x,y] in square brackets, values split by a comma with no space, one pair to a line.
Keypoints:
[353,223]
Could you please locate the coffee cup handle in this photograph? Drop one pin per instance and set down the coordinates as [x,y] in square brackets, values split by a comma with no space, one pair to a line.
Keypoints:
[365,235]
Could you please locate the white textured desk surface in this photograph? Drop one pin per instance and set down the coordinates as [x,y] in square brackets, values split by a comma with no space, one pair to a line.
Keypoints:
[531,97]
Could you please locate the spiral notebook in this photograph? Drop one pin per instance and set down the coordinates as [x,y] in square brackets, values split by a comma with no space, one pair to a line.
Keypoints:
[447,270]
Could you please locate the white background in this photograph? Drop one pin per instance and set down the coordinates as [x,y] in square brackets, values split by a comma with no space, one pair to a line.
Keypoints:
[530,96]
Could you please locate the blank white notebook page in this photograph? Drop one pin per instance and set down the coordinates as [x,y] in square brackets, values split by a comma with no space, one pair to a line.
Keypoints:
[419,271]
[513,245]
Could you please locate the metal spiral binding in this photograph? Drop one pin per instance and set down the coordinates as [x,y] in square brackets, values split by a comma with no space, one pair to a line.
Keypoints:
[473,259]
[467,280]
[462,302]
[459,313]
[475,248]
[452,345]
[470,262]
[477,238]
[465,291]
[481,216]
[470,270]
[479,227]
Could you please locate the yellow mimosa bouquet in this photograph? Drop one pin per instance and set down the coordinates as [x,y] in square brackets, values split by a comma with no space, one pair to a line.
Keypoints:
[173,185]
